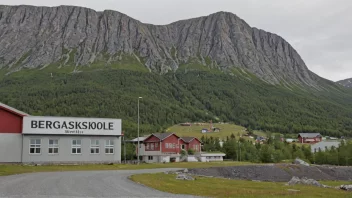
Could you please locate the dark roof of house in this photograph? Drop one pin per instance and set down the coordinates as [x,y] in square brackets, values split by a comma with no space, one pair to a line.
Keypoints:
[187,139]
[309,135]
[162,136]
[13,110]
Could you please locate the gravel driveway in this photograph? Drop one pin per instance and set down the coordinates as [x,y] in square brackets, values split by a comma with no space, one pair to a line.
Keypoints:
[78,184]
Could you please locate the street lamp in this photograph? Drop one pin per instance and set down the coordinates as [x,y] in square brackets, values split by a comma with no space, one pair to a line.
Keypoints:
[138,133]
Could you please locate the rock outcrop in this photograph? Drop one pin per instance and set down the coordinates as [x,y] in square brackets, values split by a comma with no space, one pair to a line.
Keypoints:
[346,82]
[306,181]
[346,187]
[300,162]
[35,37]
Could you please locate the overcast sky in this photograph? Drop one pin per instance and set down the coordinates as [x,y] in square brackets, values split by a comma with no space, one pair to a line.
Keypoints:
[320,30]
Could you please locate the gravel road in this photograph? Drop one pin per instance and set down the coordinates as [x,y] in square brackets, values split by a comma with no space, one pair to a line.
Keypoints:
[78,184]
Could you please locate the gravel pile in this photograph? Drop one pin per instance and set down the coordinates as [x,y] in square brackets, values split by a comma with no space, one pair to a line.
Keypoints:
[277,173]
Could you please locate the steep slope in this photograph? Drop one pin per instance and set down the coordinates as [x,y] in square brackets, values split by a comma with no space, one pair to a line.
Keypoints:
[346,82]
[178,97]
[35,37]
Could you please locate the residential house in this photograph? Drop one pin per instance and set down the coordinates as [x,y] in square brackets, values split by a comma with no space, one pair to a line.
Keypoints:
[290,140]
[167,147]
[191,143]
[216,129]
[209,157]
[324,145]
[309,138]
[205,130]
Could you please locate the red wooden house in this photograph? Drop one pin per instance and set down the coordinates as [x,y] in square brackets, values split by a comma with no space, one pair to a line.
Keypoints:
[311,138]
[191,143]
[166,147]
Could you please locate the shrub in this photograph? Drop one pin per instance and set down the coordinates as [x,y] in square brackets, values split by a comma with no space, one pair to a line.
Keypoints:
[190,152]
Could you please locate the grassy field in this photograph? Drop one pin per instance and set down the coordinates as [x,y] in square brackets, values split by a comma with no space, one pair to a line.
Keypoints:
[336,183]
[217,187]
[225,130]
[18,169]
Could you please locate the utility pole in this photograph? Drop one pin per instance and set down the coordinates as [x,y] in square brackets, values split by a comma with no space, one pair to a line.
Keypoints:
[239,145]
[124,147]
[138,133]
[238,151]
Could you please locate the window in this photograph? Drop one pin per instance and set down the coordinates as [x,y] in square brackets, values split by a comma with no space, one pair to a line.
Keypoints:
[156,145]
[183,146]
[147,146]
[166,145]
[76,146]
[53,146]
[170,145]
[152,146]
[34,146]
[150,157]
[173,145]
[94,147]
[109,147]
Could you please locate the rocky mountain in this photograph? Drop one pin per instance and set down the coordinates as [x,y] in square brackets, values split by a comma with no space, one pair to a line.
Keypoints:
[36,37]
[346,82]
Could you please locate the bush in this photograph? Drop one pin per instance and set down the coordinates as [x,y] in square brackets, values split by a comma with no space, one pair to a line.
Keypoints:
[190,152]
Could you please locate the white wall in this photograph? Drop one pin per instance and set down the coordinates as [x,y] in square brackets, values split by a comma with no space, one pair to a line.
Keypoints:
[10,147]
[165,159]
[214,158]
[192,159]
[147,160]
[203,159]
[65,146]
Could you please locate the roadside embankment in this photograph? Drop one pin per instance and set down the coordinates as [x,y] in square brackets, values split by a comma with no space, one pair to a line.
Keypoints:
[277,172]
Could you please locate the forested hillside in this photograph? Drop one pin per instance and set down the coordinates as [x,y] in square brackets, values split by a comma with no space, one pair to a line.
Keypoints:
[179,97]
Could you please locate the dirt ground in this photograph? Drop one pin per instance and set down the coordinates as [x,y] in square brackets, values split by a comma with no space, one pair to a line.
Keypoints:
[277,172]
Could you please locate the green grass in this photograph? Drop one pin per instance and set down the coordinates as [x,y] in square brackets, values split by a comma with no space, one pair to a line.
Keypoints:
[218,187]
[225,130]
[18,169]
[336,183]
[194,64]
[127,62]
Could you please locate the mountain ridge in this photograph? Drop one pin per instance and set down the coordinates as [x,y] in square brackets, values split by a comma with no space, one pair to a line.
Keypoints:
[35,37]
[346,82]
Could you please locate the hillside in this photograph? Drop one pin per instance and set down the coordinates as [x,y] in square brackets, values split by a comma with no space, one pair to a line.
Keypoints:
[226,130]
[195,130]
[178,97]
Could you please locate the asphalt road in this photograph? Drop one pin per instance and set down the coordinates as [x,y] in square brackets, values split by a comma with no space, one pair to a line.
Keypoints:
[78,184]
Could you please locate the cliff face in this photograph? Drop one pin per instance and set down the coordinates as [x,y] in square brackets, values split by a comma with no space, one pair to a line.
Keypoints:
[34,37]
[346,82]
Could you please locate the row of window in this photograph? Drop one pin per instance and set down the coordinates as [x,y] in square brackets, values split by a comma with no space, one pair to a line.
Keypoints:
[76,146]
[152,145]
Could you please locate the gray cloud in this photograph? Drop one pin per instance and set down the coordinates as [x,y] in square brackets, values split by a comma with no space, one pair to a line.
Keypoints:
[319,30]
